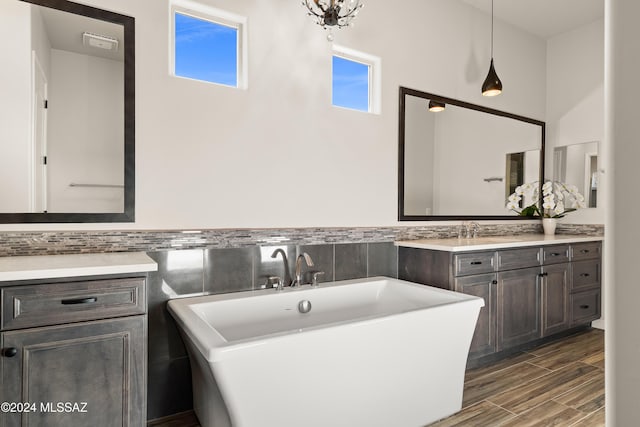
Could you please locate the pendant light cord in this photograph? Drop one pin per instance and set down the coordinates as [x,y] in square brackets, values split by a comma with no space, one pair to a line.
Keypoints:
[492,29]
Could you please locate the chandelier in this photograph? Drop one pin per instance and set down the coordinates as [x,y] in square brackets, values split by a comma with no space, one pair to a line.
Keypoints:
[333,13]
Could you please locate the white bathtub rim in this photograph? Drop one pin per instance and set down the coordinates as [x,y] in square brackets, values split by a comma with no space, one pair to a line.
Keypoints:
[214,347]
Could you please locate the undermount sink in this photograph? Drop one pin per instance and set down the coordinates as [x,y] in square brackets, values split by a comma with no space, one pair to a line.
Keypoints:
[486,240]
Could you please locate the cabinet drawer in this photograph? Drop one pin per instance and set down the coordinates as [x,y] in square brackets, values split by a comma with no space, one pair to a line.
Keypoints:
[518,258]
[556,254]
[585,274]
[585,250]
[585,307]
[55,303]
[474,263]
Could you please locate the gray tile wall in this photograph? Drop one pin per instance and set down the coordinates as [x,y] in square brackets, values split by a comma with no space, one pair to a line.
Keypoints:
[210,271]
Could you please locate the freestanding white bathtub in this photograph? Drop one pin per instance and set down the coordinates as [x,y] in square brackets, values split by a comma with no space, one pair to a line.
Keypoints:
[371,352]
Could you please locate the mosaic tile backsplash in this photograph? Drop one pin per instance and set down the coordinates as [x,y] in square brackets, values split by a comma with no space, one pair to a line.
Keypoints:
[66,242]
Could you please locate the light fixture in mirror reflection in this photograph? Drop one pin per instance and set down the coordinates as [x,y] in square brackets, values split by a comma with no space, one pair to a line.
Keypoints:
[67,120]
[463,162]
[577,164]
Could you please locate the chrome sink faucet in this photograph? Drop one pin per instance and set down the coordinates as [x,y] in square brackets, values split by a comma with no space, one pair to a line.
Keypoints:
[472,229]
[468,230]
[287,276]
[307,259]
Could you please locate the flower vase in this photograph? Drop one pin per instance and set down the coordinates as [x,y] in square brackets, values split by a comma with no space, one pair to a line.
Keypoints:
[549,226]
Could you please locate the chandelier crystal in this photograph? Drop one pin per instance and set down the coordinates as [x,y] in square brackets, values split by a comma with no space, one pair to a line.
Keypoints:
[333,13]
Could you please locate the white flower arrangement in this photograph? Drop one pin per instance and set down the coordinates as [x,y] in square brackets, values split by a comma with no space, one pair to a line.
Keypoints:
[558,199]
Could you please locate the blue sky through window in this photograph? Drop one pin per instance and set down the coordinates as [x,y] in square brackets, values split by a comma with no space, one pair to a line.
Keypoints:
[205,50]
[350,84]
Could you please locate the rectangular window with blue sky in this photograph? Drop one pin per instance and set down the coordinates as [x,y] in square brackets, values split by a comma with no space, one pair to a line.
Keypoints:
[351,84]
[356,80]
[205,50]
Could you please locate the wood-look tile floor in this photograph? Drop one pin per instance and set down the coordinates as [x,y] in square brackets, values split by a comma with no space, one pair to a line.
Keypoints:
[559,384]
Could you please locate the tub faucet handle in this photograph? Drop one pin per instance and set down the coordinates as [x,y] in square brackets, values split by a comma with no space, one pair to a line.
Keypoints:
[307,259]
[275,282]
[314,278]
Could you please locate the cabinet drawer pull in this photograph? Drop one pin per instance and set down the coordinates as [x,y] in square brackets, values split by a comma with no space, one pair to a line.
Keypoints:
[554,254]
[584,275]
[543,274]
[494,282]
[584,251]
[10,352]
[78,301]
[476,262]
[584,306]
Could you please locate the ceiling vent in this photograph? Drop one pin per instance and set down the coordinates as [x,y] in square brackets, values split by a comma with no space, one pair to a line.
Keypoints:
[100,42]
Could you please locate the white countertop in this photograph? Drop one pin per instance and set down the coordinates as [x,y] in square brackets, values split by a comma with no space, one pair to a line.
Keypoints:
[54,266]
[494,242]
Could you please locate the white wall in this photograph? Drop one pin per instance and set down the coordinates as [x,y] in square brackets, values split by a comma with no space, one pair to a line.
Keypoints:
[15,106]
[40,42]
[622,347]
[86,122]
[278,154]
[575,101]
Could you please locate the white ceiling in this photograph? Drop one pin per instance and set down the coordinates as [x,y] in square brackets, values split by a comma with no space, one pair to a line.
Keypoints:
[65,33]
[543,18]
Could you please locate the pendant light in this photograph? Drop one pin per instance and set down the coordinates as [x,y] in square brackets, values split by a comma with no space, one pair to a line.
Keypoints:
[492,85]
[436,106]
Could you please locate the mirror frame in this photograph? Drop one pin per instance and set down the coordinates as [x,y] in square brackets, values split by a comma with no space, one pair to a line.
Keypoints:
[128,215]
[404,91]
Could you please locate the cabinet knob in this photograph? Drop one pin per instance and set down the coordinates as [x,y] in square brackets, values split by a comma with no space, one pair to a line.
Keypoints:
[584,307]
[9,352]
[584,275]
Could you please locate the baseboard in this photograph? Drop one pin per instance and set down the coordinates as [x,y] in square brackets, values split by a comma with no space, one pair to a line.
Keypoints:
[598,324]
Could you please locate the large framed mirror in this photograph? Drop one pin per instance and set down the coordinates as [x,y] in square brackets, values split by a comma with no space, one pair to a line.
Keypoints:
[67,114]
[458,160]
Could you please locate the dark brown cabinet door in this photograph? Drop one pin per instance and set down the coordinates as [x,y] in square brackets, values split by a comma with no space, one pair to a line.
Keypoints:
[518,307]
[82,374]
[483,286]
[555,299]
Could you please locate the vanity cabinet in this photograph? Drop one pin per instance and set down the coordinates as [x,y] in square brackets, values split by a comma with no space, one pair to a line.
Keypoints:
[75,351]
[484,286]
[530,293]
[586,272]
[518,307]
[555,298]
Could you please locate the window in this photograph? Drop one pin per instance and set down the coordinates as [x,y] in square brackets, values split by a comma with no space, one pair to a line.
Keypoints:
[355,83]
[208,45]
